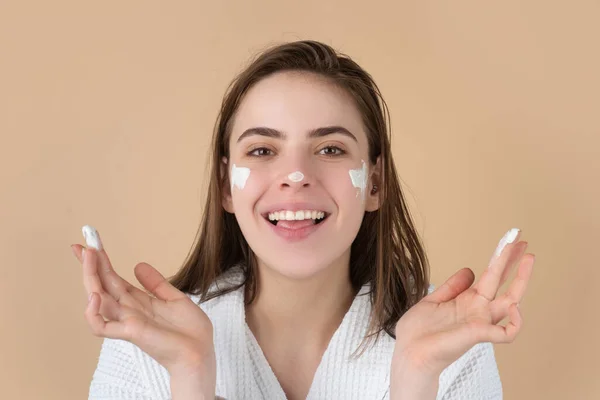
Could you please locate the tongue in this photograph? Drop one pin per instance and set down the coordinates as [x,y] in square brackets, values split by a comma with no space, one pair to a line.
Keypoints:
[295,224]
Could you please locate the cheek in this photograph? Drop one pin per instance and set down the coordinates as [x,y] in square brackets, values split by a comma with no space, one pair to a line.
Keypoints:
[244,198]
[341,187]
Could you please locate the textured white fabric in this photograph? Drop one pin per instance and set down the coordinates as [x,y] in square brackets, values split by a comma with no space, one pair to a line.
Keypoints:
[126,372]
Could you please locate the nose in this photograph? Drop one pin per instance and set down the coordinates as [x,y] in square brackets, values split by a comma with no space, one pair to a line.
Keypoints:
[295,179]
[296,176]
[297,171]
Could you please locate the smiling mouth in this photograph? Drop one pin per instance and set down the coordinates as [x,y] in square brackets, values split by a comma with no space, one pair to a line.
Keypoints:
[316,221]
[290,219]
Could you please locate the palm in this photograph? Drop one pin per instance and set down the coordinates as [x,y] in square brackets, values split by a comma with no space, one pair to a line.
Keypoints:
[168,326]
[448,322]
[176,325]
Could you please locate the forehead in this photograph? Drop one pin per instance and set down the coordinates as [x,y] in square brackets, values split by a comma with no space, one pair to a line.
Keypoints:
[295,103]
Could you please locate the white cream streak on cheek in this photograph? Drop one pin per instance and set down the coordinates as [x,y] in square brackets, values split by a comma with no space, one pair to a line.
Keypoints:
[239,176]
[359,178]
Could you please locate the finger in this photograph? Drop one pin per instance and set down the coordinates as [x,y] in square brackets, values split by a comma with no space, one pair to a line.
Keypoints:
[139,295]
[111,281]
[97,324]
[512,261]
[478,331]
[508,333]
[500,306]
[77,252]
[110,309]
[517,288]
[512,236]
[91,280]
[489,282]
[469,334]
[455,285]
[156,284]
[118,288]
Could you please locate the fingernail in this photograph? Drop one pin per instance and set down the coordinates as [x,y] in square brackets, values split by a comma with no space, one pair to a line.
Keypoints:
[508,237]
[92,239]
[82,254]
[90,297]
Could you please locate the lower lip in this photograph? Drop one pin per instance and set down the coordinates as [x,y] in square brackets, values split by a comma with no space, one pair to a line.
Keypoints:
[294,235]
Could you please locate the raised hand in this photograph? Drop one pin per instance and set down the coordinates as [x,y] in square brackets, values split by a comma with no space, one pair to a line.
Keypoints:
[167,324]
[448,322]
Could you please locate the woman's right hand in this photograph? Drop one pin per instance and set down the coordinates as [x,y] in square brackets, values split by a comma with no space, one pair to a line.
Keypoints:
[168,326]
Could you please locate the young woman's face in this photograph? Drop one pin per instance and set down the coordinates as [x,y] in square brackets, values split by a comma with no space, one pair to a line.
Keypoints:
[298,150]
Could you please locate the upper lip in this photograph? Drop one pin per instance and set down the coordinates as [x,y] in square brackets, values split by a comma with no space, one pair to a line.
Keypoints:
[293,206]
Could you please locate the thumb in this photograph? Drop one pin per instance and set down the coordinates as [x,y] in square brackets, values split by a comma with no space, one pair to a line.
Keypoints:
[155,283]
[455,285]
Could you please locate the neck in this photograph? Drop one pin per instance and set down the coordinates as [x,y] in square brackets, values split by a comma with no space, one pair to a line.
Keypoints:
[300,314]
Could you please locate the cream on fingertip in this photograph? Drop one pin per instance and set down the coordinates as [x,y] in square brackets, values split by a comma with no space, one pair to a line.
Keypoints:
[92,239]
[509,237]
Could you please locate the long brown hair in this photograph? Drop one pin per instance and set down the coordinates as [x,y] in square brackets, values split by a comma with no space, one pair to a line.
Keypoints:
[387,252]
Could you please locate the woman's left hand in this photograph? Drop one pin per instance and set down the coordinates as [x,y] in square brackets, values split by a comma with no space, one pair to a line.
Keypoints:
[444,325]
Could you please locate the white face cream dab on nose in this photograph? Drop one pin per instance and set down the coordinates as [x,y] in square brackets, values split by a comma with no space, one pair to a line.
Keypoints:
[359,178]
[296,176]
[239,176]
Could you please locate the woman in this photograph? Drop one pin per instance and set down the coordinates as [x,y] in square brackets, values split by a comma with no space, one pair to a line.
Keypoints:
[307,279]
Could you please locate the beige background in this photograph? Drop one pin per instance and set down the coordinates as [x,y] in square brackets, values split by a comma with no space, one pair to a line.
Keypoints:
[106,110]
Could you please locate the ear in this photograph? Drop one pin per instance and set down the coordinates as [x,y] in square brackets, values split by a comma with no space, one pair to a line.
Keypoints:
[374,186]
[226,187]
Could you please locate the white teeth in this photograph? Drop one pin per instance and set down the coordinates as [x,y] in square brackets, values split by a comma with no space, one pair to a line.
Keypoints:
[295,215]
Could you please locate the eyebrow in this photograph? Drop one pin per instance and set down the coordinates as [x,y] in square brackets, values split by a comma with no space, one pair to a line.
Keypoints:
[315,133]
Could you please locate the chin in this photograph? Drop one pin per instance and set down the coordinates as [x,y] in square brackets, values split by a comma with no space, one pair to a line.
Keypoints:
[295,267]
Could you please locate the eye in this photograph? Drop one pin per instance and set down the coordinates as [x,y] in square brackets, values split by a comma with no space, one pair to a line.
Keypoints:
[259,152]
[332,151]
